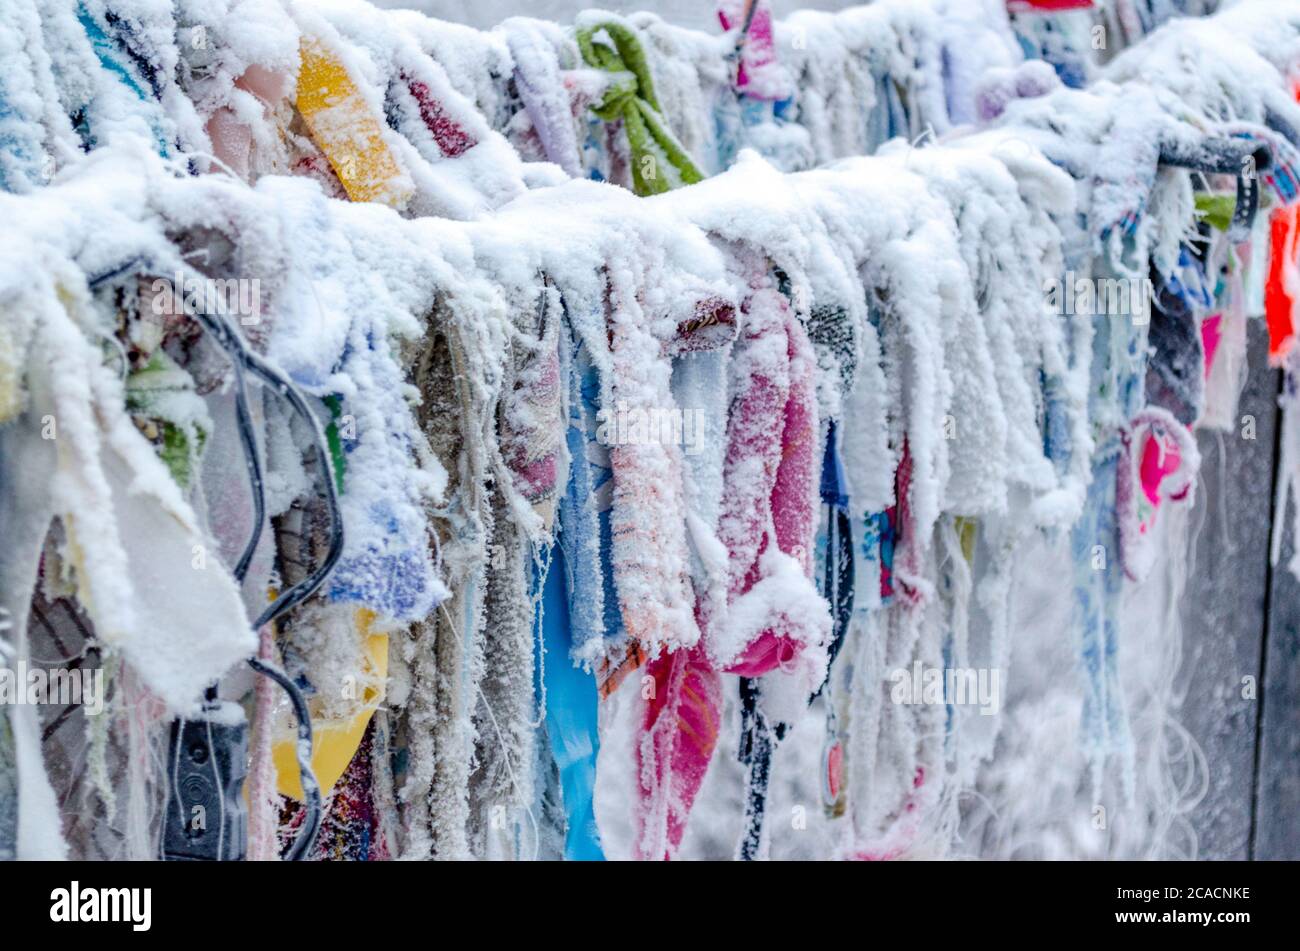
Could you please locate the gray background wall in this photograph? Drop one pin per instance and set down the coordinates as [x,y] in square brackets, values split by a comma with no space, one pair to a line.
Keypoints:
[699,14]
[1242,619]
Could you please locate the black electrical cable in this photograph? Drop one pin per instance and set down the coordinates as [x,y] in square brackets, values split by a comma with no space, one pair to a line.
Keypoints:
[244,361]
[306,837]
[308,586]
[249,440]
[248,360]
[253,362]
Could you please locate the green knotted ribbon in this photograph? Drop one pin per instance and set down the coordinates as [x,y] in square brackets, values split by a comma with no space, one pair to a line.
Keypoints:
[630,96]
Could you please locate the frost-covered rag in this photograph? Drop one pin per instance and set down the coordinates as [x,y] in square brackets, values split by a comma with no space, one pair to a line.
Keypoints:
[1282,285]
[769,518]
[1176,369]
[530,432]
[1159,463]
[541,86]
[122,53]
[758,73]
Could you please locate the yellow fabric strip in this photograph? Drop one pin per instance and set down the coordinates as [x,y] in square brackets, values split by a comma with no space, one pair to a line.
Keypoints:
[344,128]
[335,741]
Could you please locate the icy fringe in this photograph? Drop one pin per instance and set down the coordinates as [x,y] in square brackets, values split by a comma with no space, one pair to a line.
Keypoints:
[1061,814]
[948,244]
